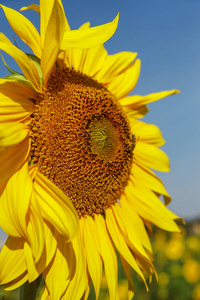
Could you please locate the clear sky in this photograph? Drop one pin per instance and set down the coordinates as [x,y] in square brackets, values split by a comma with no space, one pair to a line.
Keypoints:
[166,35]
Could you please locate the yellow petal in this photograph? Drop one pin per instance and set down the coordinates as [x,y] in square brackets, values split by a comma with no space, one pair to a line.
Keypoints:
[45,294]
[136,113]
[125,82]
[136,223]
[46,12]
[85,25]
[129,231]
[78,277]
[114,65]
[94,60]
[137,100]
[6,222]
[11,136]
[151,157]
[67,270]
[34,7]
[77,58]
[56,206]
[22,60]
[147,133]
[24,29]
[89,37]
[93,258]
[150,180]
[87,291]
[14,89]
[120,243]
[127,270]
[73,57]
[57,273]
[14,148]
[12,260]
[53,37]
[15,201]
[17,109]
[32,269]
[32,272]
[108,254]
[149,207]
[35,228]
[50,244]
[12,285]
[35,269]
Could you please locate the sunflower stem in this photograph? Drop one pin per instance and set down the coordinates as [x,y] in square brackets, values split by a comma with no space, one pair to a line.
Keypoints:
[28,291]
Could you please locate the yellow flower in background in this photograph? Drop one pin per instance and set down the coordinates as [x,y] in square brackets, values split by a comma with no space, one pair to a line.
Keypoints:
[191,270]
[163,279]
[193,243]
[122,290]
[174,249]
[76,178]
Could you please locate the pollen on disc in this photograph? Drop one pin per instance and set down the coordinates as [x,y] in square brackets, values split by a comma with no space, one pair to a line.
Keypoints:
[81,141]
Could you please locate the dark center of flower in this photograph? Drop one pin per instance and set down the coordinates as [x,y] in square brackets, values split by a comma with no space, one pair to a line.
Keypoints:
[81,141]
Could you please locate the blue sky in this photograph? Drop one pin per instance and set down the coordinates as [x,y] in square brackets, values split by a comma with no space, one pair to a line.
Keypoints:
[166,35]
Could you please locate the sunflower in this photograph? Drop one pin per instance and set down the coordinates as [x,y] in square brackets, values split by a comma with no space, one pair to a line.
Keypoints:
[77,184]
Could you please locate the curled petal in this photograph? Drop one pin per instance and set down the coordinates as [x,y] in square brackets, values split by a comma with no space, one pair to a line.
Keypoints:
[17,109]
[56,206]
[12,260]
[34,7]
[137,100]
[35,228]
[22,60]
[14,89]
[89,37]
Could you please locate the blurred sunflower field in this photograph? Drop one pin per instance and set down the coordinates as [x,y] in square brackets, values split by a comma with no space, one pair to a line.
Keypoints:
[177,261]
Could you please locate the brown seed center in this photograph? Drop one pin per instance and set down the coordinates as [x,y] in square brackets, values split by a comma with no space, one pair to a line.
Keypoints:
[81,141]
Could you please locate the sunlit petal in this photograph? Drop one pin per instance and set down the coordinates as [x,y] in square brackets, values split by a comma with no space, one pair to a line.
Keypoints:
[22,60]
[53,38]
[24,29]
[89,37]
[55,206]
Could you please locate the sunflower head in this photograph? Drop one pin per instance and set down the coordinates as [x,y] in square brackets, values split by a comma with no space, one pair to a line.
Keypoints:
[81,140]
